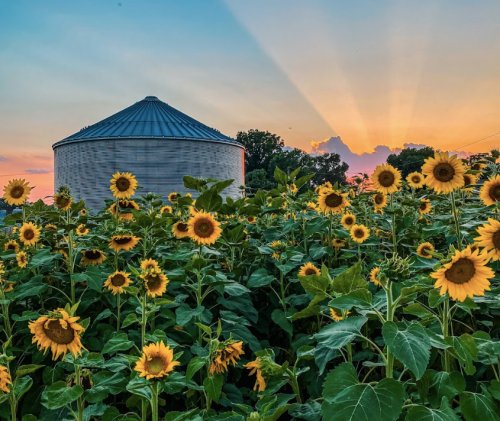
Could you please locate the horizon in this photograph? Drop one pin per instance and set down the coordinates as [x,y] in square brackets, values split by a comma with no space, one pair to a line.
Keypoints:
[373,76]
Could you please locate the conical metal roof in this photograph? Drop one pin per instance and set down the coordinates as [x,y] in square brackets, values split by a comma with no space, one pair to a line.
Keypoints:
[149,118]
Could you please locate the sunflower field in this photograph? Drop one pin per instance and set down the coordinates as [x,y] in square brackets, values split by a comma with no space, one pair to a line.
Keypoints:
[302,303]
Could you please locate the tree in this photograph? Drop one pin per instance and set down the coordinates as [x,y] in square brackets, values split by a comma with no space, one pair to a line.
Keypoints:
[329,167]
[260,148]
[410,159]
[257,179]
[288,161]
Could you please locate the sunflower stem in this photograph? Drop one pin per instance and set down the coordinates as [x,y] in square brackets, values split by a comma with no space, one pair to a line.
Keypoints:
[294,383]
[154,401]
[144,321]
[446,321]
[457,222]
[118,305]
[389,363]
[80,403]
[393,226]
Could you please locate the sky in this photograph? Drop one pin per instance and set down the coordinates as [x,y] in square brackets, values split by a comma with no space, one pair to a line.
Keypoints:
[360,78]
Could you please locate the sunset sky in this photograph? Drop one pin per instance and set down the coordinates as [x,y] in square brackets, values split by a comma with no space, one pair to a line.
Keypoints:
[379,74]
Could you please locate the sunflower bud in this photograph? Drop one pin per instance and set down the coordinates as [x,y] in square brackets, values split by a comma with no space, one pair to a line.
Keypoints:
[396,269]
[254,416]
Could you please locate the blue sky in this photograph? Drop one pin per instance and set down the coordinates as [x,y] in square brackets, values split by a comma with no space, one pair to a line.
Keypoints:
[373,72]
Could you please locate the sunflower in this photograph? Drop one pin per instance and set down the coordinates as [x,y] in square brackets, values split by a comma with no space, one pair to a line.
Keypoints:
[149,264]
[423,248]
[82,230]
[192,209]
[348,220]
[415,180]
[22,259]
[478,166]
[337,314]
[359,233]
[5,379]
[83,212]
[255,368]
[465,276]
[469,179]
[123,242]
[332,201]
[124,204]
[116,281]
[59,332]
[16,192]
[166,209]
[173,197]
[51,227]
[338,243]
[490,192]
[63,252]
[29,234]
[12,245]
[373,276]
[489,238]
[378,211]
[251,219]
[293,188]
[62,201]
[309,269]
[311,205]
[444,173]
[230,352]
[380,200]
[157,361]
[92,257]
[203,228]
[386,179]
[180,230]
[425,206]
[155,282]
[123,185]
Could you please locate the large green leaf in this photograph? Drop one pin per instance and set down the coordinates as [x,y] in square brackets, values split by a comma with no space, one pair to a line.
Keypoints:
[364,402]
[213,386]
[478,407]
[340,378]
[209,200]
[409,344]
[315,284]
[465,349]
[421,413]
[361,298]
[444,385]
[279,317]
[338,334]
[59,395]
[259,278]
[194,365]
[349,280]
[118,343]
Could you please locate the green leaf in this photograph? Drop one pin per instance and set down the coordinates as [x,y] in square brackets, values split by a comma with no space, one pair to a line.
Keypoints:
[279,317]
[421,413]
[349,280]
[466,350]
[119,342]
[340,378]
[185,313]
[479,407]
[213,386]
[21,385]
[130,319]
[280,177]
[444,385]
[339,334]
[95,278]
[315,284]
[311,310]
[259,278]
[409,344]
[105,382]
[27,369]
[209,201]
[435,298]
[194,365]
[59,395]
[361,298]
[192,183]
[363,402]
[33,287]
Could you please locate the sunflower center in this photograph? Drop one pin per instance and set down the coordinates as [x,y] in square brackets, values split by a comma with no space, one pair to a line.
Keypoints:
[182,227]
[29,234]
[82,229]
[379,199]
[496,240]
[203,228]
[349,220]
[423,251]
[476,167]
[310,271]
[156,365]
[118,280]
[123,240]
[461,272]
[386,178]
[359,233]
[11,247]
[495,193]
[423,206]
[154,282]
[333,200]
[92,255]
[416,179]
[17,192]
[62,201]
[444,172]
[467,180]
[56,333]
[122,184]
[126,205]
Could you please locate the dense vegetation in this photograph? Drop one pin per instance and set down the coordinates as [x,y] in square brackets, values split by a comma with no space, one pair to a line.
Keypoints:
[335,304]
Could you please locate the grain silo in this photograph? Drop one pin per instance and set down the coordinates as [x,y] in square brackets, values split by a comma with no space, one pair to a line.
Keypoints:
[155,142]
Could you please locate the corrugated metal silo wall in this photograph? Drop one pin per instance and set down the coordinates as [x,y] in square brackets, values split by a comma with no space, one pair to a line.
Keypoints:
[158,164]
